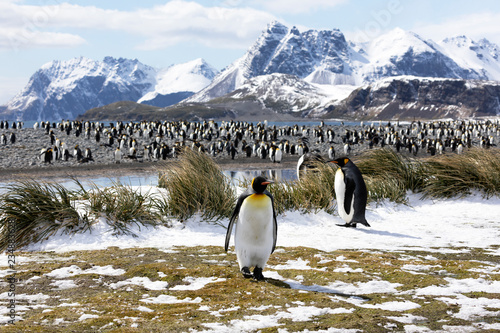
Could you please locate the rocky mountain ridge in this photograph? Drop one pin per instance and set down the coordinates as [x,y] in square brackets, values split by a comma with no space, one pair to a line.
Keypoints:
[325,57]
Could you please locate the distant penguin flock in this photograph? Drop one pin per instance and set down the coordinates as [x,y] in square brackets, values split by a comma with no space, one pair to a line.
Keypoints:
[150,141]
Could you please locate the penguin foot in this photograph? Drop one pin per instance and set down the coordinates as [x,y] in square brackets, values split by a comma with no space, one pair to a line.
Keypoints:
[348,225]
[257,274]
[246,273]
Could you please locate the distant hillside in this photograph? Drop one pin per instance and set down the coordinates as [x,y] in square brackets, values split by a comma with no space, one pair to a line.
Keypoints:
[411,97]
[132,111]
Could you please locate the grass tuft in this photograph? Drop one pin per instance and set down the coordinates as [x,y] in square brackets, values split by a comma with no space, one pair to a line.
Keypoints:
[121,206]
[195,184]
[32,211]
[389,175]
[315,191]
[457,175]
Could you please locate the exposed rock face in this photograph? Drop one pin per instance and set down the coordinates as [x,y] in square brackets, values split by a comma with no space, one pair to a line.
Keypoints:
[406,98]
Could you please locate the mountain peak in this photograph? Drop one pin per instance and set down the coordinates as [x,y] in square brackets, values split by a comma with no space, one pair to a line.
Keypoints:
[190,76]
[66,89]
[398,38]
[276,27]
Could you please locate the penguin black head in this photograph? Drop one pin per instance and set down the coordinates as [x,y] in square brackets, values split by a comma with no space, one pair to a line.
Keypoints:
[260,183]
[341,162]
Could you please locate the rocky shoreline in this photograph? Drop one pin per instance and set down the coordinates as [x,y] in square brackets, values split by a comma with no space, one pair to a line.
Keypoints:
[23,156]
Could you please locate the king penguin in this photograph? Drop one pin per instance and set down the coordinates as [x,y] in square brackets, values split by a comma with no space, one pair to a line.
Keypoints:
[256,228]
[350,191]
[307,162]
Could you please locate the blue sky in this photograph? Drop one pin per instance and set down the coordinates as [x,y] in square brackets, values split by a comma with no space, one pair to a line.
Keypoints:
[161,33]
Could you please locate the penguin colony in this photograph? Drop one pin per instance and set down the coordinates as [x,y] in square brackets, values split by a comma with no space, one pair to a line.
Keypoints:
[71,142]
[254,217]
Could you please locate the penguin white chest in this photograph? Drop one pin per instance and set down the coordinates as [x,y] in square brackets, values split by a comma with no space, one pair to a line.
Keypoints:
[340,193]
[254,231]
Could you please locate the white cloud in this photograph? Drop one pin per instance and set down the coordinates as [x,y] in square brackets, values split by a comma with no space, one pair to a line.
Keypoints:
[15,39]
[9,86]
[298,6]
[26,27]
[160,26]
[179,21]
[475,26]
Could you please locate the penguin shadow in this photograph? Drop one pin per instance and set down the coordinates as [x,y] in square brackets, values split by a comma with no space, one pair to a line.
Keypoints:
[314,288]
[386,233]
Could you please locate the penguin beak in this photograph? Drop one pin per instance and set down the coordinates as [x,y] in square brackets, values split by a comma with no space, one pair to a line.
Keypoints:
[332,161]
[267,182]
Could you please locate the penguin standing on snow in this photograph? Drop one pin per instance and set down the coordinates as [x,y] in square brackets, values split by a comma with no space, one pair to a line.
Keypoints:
[256,228]
[351,194]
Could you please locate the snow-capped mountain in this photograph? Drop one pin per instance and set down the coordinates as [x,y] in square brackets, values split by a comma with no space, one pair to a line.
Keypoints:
[66,89]
[285,70]
[321,55]
[482,56]
[285,93]
[178,82]
[281,92]
[401,52]
[326,57]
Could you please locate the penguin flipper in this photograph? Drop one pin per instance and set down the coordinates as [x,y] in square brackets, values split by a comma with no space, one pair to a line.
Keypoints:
[229,231]
[275,231]
[234,218]
[275,222]
[350,185]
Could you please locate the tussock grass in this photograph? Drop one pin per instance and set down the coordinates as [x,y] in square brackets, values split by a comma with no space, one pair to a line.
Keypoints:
[382,164]
[389,175]
[120,205]
[196,185]
[385,188]
[315,191]
[457,175]
[31,211]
